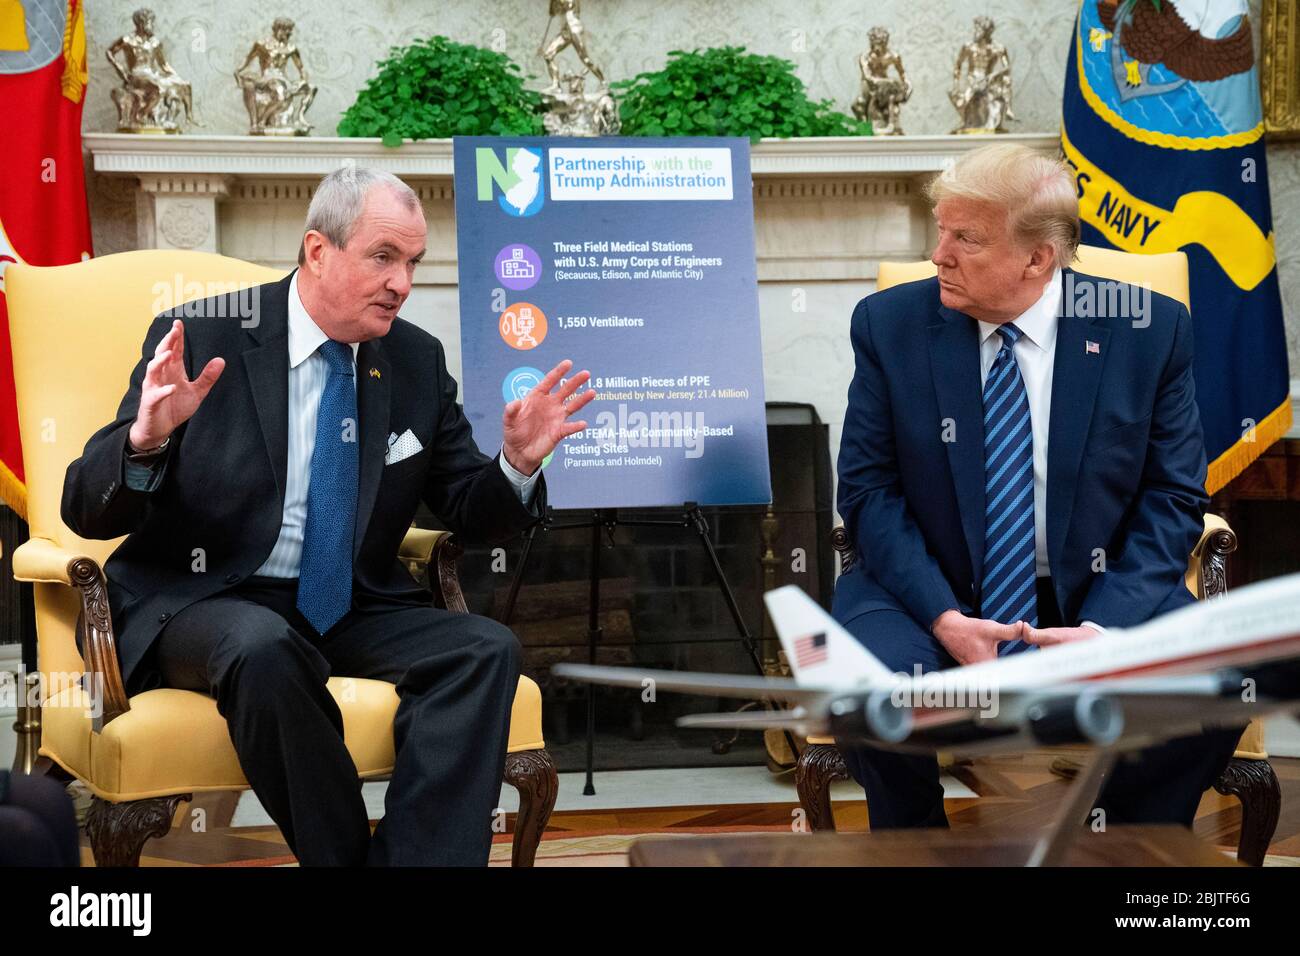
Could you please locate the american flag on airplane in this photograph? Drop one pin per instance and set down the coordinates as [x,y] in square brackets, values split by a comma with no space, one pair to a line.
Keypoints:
[810,649]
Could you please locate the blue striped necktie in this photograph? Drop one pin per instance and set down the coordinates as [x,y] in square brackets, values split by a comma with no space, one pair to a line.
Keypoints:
[1009,587]
[325,575]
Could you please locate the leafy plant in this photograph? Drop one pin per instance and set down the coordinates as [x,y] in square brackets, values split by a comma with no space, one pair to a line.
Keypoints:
[724,91]
[437,88]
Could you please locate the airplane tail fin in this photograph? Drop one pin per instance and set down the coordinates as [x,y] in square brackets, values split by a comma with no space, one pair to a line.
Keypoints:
[820,651]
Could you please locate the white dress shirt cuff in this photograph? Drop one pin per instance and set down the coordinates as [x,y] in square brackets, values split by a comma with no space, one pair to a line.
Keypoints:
[1096,627]
[524,484]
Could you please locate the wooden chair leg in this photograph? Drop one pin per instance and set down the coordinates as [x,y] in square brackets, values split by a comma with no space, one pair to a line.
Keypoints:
[532,773]
[819,766]
[1254,783]
[118,831]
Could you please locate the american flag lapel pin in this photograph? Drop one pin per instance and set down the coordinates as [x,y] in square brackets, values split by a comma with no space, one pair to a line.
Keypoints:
[1091,348]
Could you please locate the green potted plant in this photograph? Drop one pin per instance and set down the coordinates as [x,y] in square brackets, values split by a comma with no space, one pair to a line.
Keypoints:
[725,91]
[437,88]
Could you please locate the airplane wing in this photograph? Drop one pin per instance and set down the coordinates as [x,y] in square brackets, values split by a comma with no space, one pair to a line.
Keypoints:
[684,682]
[797,720]
[824,658]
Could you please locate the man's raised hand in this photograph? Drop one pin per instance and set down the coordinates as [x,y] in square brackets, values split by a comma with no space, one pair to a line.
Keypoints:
[167,398]
[534,425]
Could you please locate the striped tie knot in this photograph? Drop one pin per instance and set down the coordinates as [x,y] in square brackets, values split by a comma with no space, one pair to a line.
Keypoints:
[1010,334]
[338,355]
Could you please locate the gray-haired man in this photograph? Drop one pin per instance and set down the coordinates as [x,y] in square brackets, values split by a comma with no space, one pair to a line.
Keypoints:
[283,474]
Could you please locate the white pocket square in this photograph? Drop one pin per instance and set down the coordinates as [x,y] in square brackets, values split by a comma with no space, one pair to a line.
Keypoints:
[401,447]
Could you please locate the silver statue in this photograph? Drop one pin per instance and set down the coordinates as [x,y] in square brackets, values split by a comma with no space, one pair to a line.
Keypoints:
[276,104]
[570,109]
[572,34]
[152,97]
[983,97]
[575,112]
[882,96]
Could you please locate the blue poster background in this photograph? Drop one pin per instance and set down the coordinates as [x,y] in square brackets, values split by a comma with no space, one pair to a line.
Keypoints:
[667,323]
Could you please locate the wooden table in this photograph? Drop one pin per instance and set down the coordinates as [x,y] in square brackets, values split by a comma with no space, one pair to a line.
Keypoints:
[1119,846]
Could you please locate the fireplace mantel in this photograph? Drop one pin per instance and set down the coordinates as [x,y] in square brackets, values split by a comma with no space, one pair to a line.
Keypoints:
[432,159]
[825,209]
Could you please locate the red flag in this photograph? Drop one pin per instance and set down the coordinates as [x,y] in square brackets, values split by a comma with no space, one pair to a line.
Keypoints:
[43,216]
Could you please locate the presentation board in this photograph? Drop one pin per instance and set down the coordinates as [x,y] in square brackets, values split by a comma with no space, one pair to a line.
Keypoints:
[635,259]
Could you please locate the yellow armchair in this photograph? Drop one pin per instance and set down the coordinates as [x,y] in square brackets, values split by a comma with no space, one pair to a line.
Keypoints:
[1249,776]
[76,333]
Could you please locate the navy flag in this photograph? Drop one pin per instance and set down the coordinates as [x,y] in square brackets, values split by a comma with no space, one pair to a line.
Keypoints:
[1163,126]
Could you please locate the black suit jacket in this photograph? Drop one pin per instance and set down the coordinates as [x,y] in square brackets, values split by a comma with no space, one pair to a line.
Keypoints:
[216,514]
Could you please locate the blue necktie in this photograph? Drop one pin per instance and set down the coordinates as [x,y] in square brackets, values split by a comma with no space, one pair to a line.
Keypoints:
[325,575]
[1010,587]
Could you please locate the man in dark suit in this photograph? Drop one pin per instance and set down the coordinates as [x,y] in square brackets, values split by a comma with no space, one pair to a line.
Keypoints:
[264,504]
[1021,464]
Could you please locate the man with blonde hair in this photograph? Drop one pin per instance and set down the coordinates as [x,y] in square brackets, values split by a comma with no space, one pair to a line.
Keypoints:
[1021,464]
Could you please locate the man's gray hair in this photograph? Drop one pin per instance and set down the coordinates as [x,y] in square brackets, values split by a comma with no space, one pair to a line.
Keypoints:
[339,199]
[1037,192]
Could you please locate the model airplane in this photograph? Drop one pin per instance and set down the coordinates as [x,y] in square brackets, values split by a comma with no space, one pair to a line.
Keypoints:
[1217,663]
[1214,663]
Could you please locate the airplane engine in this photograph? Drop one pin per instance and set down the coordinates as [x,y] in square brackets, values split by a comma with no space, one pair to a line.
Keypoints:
[874,716]
[1086,718]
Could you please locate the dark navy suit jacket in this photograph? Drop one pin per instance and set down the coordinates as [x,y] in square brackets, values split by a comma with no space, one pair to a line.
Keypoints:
[1125,459]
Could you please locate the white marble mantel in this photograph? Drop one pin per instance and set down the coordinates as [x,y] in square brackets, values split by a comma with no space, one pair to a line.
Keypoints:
[825,209]
[317,155]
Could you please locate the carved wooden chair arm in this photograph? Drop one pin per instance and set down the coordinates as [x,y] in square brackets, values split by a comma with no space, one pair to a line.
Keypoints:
[1210,557]
[432,556]
[840,542]
[41,561]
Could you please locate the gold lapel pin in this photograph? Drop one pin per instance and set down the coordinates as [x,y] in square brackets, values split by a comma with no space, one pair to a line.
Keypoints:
[374,373]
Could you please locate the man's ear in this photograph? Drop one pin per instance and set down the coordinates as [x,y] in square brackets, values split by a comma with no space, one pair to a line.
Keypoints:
[313,250]
[1042,258]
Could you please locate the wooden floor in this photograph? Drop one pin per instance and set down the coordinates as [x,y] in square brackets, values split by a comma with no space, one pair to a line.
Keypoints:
[1016,792]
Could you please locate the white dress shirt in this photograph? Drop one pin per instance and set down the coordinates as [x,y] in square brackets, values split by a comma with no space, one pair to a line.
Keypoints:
[308,370]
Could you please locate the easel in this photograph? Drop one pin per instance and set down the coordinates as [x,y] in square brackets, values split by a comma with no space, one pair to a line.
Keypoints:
[608,519]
